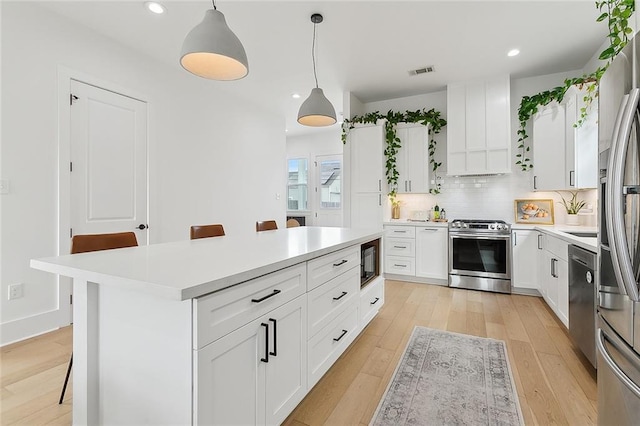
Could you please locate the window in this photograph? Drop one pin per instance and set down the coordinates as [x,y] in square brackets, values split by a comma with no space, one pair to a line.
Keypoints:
[297,188]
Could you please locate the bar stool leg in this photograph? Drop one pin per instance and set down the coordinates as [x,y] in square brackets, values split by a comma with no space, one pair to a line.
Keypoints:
[66,380]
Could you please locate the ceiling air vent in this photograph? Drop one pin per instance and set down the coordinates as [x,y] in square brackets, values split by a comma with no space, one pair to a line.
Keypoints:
[423,70]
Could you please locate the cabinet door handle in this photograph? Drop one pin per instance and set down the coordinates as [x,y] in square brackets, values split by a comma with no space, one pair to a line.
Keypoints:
[539,241]
[341,336]
[409,186]
[572,174]
[400,247]
[344,293]
[405,186]
[399,266]
[515,239]
[379,199]
[400,232]
[375,301]
[266,343]
[554,267]
[535,182]
[342,262]
[430,229]
[379,184]
[275,337]
[262,299]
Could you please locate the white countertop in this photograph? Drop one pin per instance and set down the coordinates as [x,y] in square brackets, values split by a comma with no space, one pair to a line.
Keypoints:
[406,222]
[187,269]
[562,232]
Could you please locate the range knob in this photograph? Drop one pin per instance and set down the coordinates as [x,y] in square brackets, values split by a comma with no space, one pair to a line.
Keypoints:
[493,226]
[465,225]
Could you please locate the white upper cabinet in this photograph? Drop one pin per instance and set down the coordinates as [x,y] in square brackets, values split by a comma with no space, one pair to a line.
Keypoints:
[412,160]
[548,148]
[478,127]
[565,156]
[581,142]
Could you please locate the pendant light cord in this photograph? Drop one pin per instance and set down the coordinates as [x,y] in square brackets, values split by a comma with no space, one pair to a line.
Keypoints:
[214,4]
[313,54]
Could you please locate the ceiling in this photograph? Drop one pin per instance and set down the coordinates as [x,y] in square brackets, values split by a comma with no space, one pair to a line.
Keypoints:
[365,47]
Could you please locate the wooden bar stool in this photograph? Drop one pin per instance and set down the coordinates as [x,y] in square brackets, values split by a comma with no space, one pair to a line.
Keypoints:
[292,223]
[267,225]
[96,242]
[206,231]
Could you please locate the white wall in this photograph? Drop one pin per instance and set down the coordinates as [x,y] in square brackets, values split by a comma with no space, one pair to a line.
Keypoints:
[485,197]
[212,155]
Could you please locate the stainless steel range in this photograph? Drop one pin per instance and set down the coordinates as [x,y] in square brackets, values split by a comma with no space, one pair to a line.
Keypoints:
[480,255]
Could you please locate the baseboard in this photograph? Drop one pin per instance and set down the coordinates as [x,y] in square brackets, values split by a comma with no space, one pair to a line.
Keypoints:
[24,328]
[525,291]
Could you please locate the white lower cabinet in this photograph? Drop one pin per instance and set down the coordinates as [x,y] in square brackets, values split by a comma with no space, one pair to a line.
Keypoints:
[371,299]
[524,270]
[256,374]
[432,258]
[553,274]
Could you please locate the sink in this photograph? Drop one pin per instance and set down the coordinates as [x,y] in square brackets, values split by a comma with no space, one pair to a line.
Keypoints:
[583,234]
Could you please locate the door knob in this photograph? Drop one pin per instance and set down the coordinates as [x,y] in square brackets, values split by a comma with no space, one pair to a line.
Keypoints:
[142,226]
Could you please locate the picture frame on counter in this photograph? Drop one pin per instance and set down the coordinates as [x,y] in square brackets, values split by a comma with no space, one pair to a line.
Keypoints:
[534,211]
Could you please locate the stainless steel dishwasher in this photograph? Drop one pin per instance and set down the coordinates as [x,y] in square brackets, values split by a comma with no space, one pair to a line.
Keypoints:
[582,300]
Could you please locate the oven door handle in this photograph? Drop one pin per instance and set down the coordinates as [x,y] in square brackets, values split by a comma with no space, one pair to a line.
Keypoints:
[479,237]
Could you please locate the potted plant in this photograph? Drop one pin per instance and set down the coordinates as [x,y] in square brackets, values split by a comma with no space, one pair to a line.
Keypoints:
[573,206]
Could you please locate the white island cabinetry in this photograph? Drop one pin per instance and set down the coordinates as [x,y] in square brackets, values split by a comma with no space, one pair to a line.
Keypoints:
[217,330]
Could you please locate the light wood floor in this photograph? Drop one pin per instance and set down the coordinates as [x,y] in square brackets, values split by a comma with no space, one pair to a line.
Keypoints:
[555,383]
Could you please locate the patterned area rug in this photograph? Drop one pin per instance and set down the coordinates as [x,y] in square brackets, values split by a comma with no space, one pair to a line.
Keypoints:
[448,378]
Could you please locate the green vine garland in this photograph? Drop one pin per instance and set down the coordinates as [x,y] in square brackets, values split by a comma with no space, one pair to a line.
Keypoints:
[429,118]
[617,14]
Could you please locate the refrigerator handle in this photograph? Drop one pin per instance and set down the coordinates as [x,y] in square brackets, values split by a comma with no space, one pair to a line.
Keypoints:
[614,367]
[620,253]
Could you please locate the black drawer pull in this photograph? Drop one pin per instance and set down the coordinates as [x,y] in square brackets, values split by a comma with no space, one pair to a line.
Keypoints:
[342,262]
[344,293]
[275,337]
[262,299]
[375,301]
[401,247]
[341,336]
[399,266]
[266,343]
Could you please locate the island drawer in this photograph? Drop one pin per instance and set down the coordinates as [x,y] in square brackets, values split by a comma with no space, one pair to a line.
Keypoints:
[371,300]
[329,266]
[327,346]
[328,300]
[219,313]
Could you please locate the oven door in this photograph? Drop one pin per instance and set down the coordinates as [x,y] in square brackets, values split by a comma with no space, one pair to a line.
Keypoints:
[480,255]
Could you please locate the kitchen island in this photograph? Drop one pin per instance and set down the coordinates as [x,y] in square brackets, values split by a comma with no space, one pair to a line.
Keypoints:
[232,329]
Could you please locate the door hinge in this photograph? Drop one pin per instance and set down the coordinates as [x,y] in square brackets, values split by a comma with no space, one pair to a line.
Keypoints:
[70,166]
[71,299]
[72,98]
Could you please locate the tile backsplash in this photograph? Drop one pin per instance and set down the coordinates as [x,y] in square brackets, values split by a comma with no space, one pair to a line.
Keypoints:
[491,197]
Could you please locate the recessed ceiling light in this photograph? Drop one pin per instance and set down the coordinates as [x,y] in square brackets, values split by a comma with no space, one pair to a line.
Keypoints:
[296,96]
[513,52]
[155,7]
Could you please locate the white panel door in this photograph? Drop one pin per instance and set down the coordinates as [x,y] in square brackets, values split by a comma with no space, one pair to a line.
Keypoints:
[548,149]
[524,262]
[108,162]
[328,190]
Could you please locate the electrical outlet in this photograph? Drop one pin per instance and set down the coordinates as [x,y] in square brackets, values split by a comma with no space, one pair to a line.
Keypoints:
[15,291]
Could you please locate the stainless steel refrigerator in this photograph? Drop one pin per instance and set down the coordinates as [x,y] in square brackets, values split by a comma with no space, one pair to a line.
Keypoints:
[618,335]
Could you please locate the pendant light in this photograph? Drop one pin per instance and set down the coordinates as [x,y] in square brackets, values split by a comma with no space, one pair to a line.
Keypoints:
[211,50]
[316,110]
